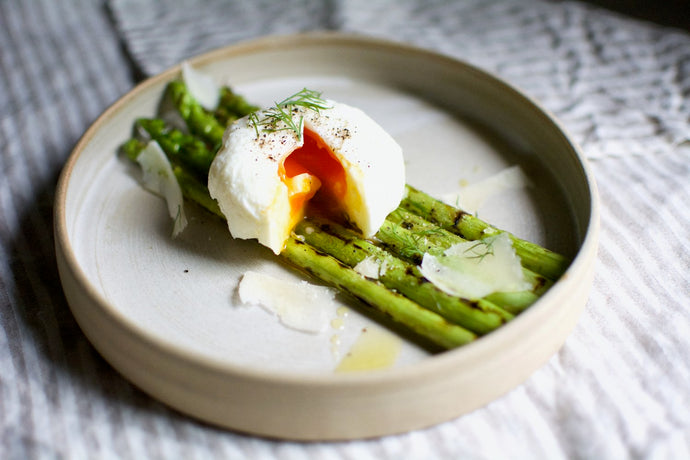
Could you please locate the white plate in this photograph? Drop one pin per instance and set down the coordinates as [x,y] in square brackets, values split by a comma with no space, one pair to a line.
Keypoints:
[164,311]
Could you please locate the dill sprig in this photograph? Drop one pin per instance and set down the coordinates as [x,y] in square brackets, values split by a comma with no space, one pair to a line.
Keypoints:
[412,245]
[281,112]
[481,249]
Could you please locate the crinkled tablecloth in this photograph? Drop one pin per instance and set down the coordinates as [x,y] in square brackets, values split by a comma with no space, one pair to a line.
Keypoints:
[619,387]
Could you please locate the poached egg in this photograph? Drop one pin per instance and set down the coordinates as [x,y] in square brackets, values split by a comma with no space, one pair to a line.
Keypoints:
[334,157]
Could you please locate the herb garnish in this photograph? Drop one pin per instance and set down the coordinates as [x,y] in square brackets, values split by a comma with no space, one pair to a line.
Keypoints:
[282,112]
[488,248]
[411,243]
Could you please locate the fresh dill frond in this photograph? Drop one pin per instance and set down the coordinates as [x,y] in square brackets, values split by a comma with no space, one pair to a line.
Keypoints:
[254,121]
[433,231]
[306,98]
[281,113]
[408,246]
[481,249]
[412,244]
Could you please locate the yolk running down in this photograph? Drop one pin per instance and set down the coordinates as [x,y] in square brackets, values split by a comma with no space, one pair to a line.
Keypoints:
[324,174]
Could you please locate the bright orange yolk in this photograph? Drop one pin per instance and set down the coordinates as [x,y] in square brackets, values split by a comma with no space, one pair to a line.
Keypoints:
[324,173]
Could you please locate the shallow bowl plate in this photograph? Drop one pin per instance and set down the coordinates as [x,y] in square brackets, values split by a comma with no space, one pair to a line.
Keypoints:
[164,312]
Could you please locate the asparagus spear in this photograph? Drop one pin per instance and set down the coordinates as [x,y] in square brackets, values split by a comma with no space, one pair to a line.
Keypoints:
[410,236]
[398,307]
[396,241]
[208,126]
[402,310]
[533,256]
[132,148]
[349,248]
[180,148]
[196,191]
[191,157]
[199,122]
[481,316]
[232,106]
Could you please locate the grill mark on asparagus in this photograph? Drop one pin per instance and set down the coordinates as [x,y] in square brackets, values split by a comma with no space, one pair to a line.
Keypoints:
[458,217]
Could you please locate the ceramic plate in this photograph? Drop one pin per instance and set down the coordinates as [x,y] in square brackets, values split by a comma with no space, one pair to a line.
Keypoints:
[165,313]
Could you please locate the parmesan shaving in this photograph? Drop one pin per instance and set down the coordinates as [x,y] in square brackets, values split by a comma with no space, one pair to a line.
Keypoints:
[369,267]
[159,178]
[475,269]
[201,86]
[298,305]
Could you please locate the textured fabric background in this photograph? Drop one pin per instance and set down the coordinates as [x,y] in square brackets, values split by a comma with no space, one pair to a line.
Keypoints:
[619,388]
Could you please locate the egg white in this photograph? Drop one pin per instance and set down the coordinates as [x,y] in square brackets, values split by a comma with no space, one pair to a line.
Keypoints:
[245,179]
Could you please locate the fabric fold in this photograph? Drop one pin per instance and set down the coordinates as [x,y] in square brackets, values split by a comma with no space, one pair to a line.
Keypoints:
[618,85]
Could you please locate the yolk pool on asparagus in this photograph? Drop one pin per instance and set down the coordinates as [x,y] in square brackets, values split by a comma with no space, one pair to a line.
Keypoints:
[339,160]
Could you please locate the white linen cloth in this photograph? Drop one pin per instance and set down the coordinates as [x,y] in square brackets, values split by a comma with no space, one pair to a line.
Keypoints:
[620,386]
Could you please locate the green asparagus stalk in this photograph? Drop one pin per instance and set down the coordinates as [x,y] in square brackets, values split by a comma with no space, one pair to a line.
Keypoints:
[533,256]
[392,236]
[399,308]
[348,247]
[401,292]
[396,306]
[196,191]
[470,227]
[409,236]
[232,106]
[199,122]
[177,146]
[180,148]
[132,148]
[480,317]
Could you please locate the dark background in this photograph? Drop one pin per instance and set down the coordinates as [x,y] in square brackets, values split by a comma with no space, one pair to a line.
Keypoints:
[674,13]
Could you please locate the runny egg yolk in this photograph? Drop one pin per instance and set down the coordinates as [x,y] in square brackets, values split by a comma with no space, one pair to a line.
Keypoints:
[342,166]
[310,169]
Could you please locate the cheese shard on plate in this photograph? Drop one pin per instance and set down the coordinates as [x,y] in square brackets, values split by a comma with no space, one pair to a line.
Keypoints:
[298,305]
[159,178]
[275,163]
